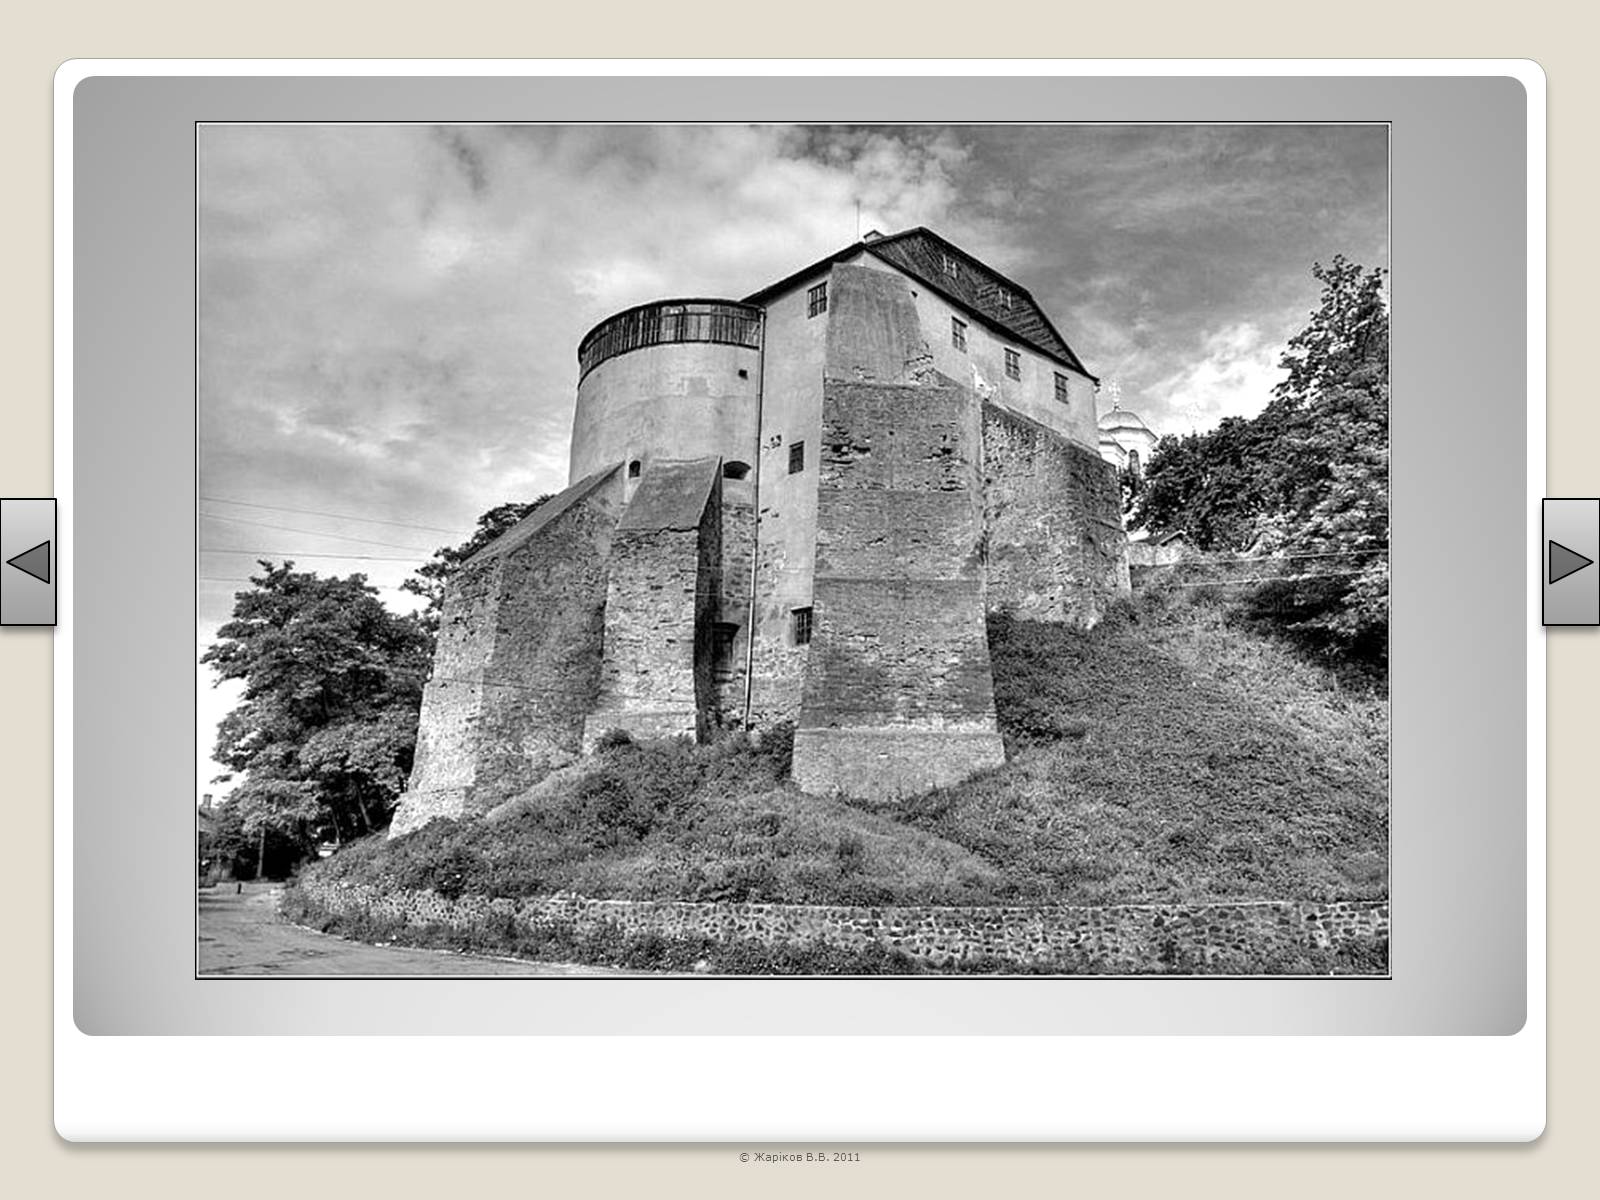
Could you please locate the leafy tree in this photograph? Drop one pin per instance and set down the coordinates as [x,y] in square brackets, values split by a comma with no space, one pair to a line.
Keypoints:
[1213,485]
[332,687]
[433,577]
[1347,339]
[1307,480]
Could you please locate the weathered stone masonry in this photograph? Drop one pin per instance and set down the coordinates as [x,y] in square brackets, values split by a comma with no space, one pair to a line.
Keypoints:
[1127,939]
[797,507]
[655,677]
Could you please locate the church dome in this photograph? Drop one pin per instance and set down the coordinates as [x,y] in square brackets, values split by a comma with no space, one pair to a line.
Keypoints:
[1121,418]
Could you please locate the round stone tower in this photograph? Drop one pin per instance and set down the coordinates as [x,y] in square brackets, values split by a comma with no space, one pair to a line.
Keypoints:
[665,381]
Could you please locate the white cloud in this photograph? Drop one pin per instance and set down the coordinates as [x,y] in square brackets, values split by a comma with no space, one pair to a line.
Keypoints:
[1234,377]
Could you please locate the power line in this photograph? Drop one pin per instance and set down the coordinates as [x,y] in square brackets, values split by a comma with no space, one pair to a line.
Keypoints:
[1264,579]
[313,512]
[292,554]
[1271,558]
[237,579]
[337,537]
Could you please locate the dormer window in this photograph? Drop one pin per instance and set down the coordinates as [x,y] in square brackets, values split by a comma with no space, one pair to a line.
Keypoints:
[949,265]
[1005,299]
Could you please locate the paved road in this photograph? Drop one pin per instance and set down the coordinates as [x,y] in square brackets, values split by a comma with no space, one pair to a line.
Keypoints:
[242,934]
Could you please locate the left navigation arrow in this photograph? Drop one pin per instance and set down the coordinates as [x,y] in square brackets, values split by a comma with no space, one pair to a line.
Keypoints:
[35,562]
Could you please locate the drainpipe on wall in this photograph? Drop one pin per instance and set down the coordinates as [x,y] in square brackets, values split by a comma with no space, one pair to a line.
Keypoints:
[755,512]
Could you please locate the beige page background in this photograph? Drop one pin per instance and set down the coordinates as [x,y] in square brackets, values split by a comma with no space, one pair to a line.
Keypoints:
[1561,37]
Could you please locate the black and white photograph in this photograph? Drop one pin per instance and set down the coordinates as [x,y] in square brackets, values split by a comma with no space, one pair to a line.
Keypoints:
[793,550]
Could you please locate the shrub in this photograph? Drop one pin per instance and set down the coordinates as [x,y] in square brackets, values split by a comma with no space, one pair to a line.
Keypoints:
[613,739]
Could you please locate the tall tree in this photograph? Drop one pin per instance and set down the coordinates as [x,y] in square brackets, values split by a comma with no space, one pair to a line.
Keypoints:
[1346,341]
[332,686]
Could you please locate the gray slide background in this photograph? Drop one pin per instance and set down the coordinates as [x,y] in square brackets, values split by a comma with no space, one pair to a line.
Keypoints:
[1459,619]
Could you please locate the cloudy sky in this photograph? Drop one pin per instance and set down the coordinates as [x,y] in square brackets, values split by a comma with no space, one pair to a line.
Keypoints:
[389,315]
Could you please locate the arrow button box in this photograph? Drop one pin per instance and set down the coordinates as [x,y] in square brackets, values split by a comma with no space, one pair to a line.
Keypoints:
[1568,567]
[27,562]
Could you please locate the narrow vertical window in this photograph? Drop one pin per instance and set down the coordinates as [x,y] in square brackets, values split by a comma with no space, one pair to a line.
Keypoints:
[1061,389]
[1005,299]
[817,299]
[949,265]
[1013,364]
[958,334]
[797,457]
[633,469]
[800,626]
[724,636]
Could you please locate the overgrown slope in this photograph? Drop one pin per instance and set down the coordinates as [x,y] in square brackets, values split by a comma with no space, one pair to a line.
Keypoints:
[1164,756]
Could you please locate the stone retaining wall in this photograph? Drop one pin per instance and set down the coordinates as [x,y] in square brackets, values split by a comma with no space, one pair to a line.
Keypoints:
[1116,939]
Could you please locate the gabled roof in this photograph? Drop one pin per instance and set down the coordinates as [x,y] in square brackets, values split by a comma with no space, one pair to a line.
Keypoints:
[975,287]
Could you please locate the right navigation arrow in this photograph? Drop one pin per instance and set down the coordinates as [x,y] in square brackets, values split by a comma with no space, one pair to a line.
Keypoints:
[1564,562]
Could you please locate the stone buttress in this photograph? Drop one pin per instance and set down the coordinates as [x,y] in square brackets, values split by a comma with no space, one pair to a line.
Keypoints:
[898,696]
[656,675]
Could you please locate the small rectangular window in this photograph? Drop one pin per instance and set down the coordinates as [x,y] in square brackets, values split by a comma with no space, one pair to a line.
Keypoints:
[958,334]
[949,265]
[817,299]
[800,625]
[1061,389]
[1005,299]
[797,457]
[1013,364]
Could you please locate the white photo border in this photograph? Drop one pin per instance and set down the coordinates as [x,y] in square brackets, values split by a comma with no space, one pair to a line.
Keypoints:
[786,1089]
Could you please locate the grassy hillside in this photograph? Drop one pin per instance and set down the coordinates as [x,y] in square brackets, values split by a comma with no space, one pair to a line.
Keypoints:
[1169,757]
[1164,756]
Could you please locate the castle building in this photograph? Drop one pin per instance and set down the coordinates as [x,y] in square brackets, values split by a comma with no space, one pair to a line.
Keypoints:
[801,506]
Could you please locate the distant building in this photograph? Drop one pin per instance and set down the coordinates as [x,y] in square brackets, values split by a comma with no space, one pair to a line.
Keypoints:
[796,507]
[1163,550]
[1126,442]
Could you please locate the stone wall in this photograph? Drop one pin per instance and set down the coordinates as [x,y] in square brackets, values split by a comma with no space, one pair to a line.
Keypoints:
[517,661]
[1117,939]
[1055,546]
